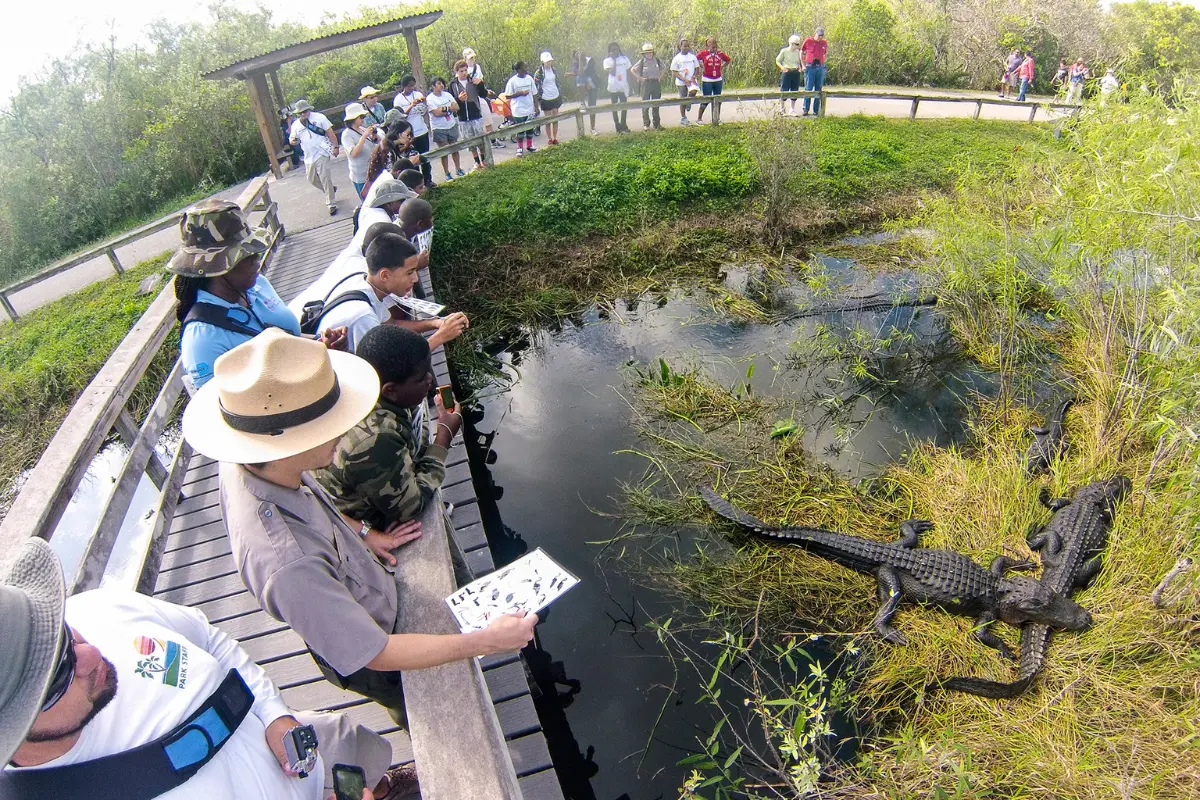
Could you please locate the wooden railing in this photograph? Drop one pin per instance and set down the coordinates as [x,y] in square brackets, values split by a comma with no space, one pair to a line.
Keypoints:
[99,412]
[580,112]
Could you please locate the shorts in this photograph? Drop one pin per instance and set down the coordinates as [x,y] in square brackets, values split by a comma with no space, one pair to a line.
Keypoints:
[472,127]
[444,136]
[485,110]
[552,105]
[789,81]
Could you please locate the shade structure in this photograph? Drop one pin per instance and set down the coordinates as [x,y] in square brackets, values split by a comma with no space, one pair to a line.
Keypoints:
[254,70]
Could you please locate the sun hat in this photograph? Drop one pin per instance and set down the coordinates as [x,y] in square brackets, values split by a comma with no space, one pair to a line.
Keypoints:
[276,396]
[215,237]
[301,106]
[366,92]
[31,630]
[387,189]
[795,39]
[354,111]
[647,47]
[546,57]
[468,53]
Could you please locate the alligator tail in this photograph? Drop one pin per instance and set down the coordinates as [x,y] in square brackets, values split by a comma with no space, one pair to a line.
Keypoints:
[1034,638]
[734,514]
[1060,413]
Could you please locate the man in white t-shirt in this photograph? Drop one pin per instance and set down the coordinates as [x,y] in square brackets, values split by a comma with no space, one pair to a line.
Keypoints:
[685,67]
[522,91]
[314,133]
[115,670]
[617,65]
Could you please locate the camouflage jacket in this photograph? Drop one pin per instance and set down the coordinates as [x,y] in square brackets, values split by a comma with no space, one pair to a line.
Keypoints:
[380,473]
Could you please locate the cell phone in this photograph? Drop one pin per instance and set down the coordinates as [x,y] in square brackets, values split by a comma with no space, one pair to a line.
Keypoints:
[447,394]
[348,782]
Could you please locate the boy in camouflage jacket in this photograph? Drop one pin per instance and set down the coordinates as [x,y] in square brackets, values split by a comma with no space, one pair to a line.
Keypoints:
[385,469]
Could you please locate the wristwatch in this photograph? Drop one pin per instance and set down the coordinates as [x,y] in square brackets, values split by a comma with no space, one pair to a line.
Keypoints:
[365,529]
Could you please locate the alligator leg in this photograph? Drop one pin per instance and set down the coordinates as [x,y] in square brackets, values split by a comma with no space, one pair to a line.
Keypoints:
[911,530]
[1088,572]
[1046,543]
[983,632]
[1003,564]
[1056,504]
[889,597]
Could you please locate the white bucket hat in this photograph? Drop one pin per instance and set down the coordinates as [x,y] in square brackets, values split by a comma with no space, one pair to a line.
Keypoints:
[468,53]
[366,92]
[546,57]
[276,396]
[795,39]
[31,630]
[387,189]
[354,111]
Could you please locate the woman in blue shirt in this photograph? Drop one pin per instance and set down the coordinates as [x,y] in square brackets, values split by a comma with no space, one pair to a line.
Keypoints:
[223,300]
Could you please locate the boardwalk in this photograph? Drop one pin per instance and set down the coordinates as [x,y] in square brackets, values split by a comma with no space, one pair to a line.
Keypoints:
[198,570]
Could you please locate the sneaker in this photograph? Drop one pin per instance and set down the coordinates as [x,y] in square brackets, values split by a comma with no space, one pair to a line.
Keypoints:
[520,151]
[460,173]
[448,177]
[685,121]
[498,143]
[593,131]
[332,211]
[530,149]
[658,127]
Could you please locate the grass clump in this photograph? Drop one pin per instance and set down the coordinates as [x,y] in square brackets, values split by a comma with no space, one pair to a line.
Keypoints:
[1085,265]
[51,354]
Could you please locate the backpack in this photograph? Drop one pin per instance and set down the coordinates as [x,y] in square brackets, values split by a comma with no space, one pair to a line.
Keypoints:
[315,310]
[223,318]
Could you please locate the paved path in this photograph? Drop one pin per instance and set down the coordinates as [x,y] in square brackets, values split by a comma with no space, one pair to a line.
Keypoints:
[301,206]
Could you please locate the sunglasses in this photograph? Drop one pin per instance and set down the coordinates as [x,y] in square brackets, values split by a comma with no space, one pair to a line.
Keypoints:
[64,673]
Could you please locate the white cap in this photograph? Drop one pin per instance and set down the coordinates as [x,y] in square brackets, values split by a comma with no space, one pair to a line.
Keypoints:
[795,39]
[546,57]
[468,53]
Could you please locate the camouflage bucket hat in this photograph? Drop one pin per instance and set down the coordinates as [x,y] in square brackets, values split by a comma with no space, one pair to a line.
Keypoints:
[215,238]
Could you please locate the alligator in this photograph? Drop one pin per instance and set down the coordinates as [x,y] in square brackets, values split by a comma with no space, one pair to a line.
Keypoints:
[943,578]
[866,302]
[1069,546]
[1048,442]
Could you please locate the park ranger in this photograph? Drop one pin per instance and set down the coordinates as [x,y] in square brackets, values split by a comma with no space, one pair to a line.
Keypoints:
[274,410]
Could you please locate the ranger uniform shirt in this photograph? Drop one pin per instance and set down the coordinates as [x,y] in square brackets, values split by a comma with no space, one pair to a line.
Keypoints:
[307,569]
[383,470]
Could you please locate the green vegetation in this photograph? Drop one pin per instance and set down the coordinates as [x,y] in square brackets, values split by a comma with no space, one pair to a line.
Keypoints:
[535,240]
[111,134]
[51,354]
[1081,265]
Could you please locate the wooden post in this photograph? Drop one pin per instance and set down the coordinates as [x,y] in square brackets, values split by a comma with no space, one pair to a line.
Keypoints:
[268,127]
[489,157]
[824,101]
[978,108]
[280,99]
[912,114]
[1032,111]
[414,58]
[8,306]
[580,127]
[116,262]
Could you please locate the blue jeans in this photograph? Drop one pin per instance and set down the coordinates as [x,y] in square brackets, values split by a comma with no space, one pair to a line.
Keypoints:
[814,81]
[710,89]
[1024,87]
[358,187]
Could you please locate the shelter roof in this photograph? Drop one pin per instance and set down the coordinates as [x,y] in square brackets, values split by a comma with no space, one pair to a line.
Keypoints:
[323,44]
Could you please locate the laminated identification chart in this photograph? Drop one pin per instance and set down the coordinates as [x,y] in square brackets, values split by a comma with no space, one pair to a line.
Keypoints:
[528,584]
[420,307]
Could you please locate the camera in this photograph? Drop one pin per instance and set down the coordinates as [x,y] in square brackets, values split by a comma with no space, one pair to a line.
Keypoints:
[300,746]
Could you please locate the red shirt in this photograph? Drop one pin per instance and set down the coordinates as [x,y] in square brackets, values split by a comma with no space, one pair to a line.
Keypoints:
[813,49]
[713,61]
[1026,69]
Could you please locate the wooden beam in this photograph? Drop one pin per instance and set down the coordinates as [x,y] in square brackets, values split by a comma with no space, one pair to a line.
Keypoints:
[152,559]
[414,58]
[260,97]
[127,429]
[456,736]
[280,97]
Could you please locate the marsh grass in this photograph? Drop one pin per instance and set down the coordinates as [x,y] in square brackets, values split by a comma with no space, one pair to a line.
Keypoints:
[51,354]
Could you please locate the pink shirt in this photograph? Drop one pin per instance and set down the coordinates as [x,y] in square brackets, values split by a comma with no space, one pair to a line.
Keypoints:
[813,49]
[714,61]
[1026,69]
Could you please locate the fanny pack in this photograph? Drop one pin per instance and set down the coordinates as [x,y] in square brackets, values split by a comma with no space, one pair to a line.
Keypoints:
[313,128]
[148,771]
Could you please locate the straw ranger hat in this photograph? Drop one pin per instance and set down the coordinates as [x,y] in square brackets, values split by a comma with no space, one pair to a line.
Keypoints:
[276,396]
[354,111]
[31,631]
[367,91]
[214,237]
[647,48]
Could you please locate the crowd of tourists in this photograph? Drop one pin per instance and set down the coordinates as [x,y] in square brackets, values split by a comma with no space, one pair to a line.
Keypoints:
[1069,79]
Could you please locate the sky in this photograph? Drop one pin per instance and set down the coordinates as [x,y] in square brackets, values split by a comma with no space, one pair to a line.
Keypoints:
[32,36]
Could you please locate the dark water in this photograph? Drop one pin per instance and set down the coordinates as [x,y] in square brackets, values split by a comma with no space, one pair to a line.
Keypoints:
[555,438]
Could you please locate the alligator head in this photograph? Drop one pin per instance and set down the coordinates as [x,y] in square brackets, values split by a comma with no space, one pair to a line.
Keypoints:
[1025,599]
[1110,492]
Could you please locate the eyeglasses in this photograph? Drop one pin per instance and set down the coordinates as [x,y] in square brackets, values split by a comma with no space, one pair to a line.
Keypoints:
[64,673]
